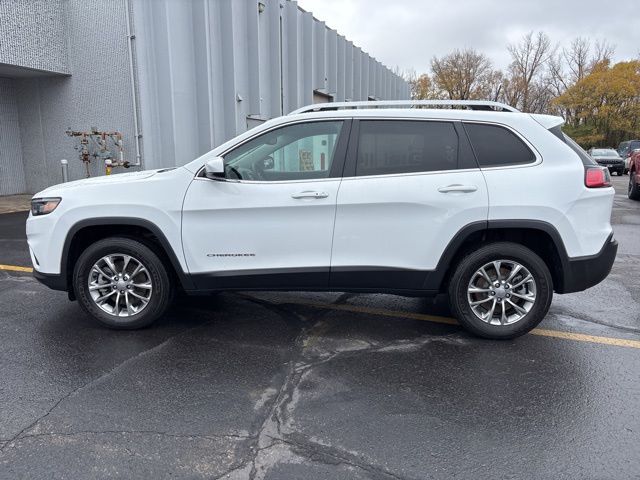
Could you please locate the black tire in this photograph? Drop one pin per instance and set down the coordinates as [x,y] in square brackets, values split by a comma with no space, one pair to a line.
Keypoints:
[467,267]
[160,296]
[634,187]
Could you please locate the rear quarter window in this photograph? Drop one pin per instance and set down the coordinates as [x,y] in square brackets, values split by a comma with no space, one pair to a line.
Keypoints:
[496,146]
[587,160]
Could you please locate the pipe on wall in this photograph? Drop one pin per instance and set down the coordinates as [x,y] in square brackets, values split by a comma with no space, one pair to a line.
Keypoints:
[134,92]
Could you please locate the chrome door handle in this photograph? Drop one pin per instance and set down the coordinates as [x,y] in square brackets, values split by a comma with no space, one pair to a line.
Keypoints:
[309,194]
[458,188]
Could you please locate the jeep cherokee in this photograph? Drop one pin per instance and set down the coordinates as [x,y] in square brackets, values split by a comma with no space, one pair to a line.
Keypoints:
[495,207]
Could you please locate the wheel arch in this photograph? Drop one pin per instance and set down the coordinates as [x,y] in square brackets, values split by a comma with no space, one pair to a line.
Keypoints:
[86,231]
[539,236]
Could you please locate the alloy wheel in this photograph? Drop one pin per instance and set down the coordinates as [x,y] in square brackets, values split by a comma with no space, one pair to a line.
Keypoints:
[501,292]
[120,285]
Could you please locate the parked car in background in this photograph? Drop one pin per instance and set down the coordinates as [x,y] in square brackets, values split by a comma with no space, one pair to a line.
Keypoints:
[634,175]
[608,157]
[625,149]
[627,161]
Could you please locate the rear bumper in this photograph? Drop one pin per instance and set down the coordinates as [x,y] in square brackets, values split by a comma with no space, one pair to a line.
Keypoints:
[585,272]
[52,280]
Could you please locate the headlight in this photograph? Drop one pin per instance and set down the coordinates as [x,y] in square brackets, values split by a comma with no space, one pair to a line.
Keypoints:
[43,206]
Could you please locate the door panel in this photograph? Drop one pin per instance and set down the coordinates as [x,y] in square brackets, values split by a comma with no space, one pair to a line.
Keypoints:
[415,193]
[391,230]
[246,234]
[269,223]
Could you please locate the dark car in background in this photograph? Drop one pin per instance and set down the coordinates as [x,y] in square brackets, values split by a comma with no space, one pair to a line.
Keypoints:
[634,175]
[625,149]
[608,157]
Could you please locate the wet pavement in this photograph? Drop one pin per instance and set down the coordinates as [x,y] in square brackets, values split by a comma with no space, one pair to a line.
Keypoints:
[320,386]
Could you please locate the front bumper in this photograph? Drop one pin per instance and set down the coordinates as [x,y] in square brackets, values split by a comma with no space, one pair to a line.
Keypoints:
[585,272]
[611,165]
[52,280]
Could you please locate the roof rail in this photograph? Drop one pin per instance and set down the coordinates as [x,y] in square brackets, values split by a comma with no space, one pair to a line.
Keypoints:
[471,104]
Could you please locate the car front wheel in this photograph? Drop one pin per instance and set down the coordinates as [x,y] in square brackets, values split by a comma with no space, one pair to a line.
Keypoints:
[122,283]
[501,291]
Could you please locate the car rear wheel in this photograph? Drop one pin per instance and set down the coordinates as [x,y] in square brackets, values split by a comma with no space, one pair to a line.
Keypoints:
[634,187]
[501,291]
[122,283]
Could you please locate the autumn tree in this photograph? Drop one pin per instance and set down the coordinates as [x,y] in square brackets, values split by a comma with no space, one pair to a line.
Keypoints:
[607,104]
[420,86]
[572,64]
[463,75]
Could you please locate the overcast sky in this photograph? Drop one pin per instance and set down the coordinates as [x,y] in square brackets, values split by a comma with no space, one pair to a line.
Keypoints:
[408,33]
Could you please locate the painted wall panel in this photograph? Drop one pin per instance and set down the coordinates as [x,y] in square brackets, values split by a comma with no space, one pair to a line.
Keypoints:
[32,35]
[205,70]
[12,178]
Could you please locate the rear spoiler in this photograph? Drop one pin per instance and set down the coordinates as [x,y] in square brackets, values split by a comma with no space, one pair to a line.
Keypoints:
[548,121]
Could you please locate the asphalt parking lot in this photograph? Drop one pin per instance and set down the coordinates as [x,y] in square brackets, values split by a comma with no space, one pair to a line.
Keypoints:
[320,386]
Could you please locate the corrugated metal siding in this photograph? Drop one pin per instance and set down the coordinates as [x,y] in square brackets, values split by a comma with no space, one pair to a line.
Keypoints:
[11,170]
[207,70]
[210,69]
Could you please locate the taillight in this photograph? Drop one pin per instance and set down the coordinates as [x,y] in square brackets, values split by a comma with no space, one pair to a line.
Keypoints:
[597,177]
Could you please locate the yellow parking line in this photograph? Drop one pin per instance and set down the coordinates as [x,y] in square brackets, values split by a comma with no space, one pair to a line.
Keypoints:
[578,337]
[14,268]
[581,337]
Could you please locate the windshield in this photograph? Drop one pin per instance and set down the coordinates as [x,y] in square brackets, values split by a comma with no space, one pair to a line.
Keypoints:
[603,152]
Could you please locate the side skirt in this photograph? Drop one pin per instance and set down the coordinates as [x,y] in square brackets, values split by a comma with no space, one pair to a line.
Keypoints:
[370,280]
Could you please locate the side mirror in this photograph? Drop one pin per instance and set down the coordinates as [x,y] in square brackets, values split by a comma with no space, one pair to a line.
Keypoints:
[214,168]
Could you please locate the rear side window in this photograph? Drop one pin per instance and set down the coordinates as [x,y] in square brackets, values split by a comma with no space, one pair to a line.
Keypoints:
[388,147]
[587,160]
[496,146]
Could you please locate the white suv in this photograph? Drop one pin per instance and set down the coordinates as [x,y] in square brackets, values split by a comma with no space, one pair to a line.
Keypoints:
[495,207]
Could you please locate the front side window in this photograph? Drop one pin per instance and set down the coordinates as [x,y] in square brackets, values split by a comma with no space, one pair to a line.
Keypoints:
[399,146]
[497,146]
[294,152]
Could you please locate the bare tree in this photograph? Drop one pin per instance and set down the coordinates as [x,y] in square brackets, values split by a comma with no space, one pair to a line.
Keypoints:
[577,58]
[529,58]
[603,52]
[462,74]
[557,77]
[492,85]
